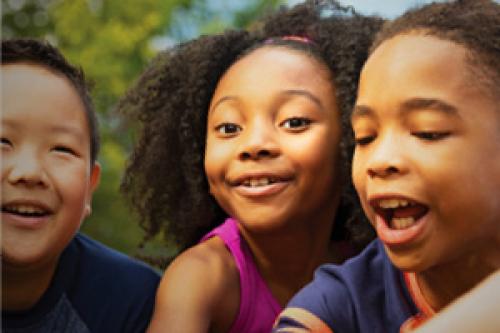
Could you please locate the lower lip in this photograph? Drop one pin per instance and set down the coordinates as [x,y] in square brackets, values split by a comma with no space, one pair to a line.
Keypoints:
[24,222]
[397,237]
[261,191]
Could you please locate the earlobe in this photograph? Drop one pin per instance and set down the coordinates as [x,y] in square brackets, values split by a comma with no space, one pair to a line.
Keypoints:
[88,210]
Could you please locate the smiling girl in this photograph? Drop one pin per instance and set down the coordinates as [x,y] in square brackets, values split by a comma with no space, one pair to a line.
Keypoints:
[243,141]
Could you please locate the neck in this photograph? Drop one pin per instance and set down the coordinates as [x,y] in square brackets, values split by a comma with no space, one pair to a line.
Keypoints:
[22,288]
[287,258]
[443,284]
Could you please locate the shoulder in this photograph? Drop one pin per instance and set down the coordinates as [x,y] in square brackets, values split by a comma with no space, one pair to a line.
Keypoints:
[110,290]
[209,262]
[200,286]
[342,296]
[356,273]
[102,262]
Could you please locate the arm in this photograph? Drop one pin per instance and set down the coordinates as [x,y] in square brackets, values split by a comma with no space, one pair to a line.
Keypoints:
[193,292]
[476,311]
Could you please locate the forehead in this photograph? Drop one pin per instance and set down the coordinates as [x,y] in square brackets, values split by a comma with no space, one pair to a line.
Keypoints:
[36,96]
[270,67]
[415,58]
[406,65]
[417,66]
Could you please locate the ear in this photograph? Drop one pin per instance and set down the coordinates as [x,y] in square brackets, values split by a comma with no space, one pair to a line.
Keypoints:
[95,177]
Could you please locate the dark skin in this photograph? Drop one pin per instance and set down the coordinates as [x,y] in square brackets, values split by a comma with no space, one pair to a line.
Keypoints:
[293,246]
[175,141]
[314,210]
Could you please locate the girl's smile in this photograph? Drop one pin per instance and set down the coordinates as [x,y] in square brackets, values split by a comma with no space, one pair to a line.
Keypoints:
[261,184]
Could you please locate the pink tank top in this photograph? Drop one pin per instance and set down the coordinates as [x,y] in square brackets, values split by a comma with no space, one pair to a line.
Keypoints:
[258,307]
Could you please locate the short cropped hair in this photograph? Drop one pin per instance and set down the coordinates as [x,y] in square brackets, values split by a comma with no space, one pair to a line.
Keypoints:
[473,24]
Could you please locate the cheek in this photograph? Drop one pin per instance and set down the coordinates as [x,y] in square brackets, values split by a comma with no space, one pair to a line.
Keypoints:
[317,151]
[358,172]
[212,161]
[72,181]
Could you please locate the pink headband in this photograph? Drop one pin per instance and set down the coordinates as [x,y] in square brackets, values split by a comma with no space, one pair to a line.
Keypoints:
[295,38]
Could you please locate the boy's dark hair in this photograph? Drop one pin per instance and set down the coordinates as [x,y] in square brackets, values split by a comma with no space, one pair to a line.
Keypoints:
[474,24]
[44,54]
[165,179]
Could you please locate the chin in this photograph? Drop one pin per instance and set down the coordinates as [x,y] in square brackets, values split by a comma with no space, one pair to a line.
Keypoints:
[263,224]
[409,262]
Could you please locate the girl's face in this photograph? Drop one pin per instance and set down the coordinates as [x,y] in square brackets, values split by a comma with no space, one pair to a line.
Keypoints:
[273,135]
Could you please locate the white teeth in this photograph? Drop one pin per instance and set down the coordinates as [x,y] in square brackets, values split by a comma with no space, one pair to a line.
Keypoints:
[402,222]
[25,209]
[393,203]
[255,182]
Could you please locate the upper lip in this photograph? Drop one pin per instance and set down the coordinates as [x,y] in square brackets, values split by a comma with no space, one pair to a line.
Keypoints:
[277,177]
[377,199]
[28,202]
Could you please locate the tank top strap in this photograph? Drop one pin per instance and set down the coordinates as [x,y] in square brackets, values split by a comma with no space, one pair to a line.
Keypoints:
[253,289]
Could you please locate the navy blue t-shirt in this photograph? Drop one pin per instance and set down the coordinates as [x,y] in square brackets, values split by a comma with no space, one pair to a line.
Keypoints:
[366,294]
[94,289]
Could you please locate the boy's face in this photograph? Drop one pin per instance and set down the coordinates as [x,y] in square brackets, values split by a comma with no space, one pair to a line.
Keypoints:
[47,178]
[427,159]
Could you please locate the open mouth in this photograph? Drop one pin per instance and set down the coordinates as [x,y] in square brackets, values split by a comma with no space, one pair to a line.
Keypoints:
[25,210]
[399,213]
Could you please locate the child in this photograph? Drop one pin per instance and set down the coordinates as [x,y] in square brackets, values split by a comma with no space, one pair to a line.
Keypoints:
[53,278]
[254,119]
[427,170]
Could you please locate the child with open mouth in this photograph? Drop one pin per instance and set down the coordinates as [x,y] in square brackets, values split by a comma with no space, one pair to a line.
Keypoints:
[427,170]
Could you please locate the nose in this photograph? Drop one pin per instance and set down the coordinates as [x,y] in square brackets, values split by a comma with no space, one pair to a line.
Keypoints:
[386,158]
[259,141]
[26,169]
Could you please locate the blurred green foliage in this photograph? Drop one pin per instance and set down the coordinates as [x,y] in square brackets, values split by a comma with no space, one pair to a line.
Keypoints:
[113,41]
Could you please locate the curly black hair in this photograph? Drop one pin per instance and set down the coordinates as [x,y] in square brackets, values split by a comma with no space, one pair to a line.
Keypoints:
[473,24]
[38,52]
[165,178]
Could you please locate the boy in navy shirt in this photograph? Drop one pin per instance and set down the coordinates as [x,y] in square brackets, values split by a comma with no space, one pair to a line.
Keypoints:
[53,278]
[427,170]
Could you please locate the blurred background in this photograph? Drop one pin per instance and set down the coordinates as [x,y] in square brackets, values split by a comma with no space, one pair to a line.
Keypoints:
[113,41]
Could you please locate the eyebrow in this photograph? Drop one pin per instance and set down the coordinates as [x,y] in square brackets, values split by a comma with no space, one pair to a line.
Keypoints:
[220,101]
[306,94]
[413,104]
[70,130]
[360,111]
[292,92]
[429,103]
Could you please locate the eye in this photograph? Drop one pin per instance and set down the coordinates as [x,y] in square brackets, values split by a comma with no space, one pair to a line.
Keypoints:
[65,150]
[296,123]
[431,136]
[364,140]
[6,142]
[228,128]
